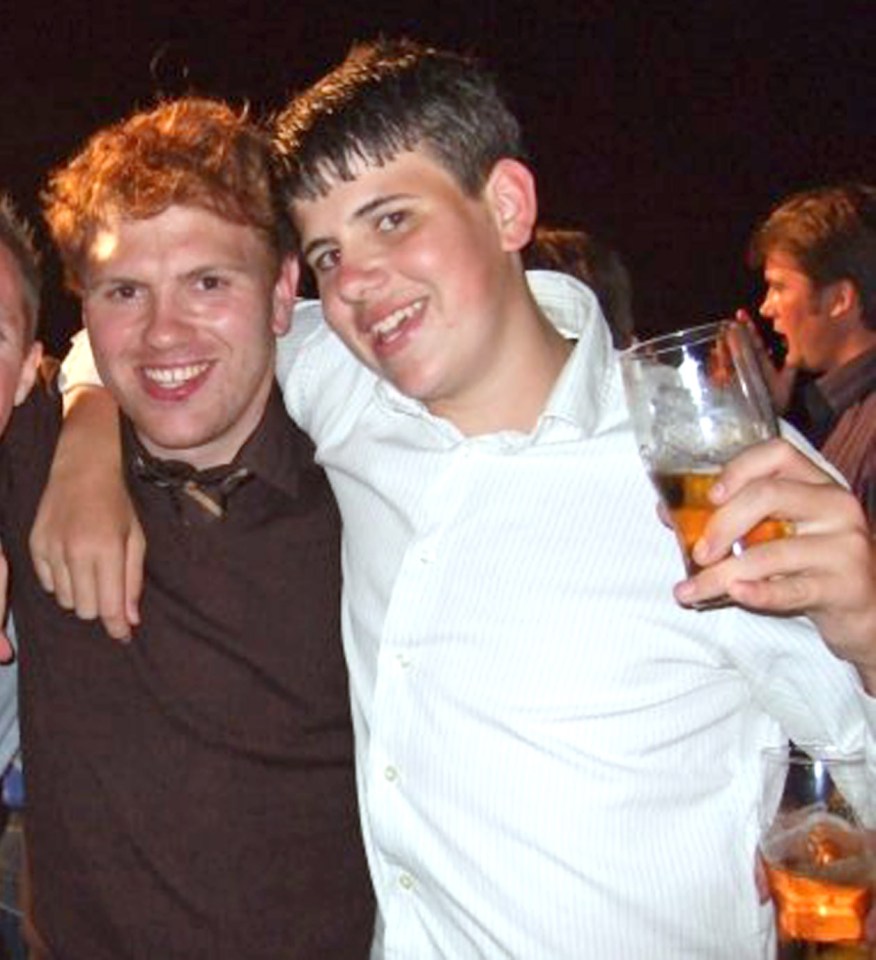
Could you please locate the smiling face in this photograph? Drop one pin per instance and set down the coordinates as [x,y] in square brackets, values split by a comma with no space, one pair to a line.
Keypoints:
[801,313]
[182,310]
[19,358]
[421,280]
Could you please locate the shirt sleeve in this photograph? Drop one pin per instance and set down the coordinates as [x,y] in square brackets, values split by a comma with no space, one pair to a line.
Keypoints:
[790,433]
[324,386]
[816,697]
[79,368]
[9,740]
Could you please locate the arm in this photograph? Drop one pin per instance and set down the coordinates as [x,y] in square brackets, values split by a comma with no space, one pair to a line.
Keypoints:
[826,570]
[86,543]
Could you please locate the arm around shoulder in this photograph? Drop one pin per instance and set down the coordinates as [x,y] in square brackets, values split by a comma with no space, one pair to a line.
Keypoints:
[86,543]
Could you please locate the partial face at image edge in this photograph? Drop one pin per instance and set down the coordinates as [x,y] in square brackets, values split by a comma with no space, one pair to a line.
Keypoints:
[19,356]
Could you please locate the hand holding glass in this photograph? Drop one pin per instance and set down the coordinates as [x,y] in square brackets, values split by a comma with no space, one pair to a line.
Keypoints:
[816,842]
[696,400]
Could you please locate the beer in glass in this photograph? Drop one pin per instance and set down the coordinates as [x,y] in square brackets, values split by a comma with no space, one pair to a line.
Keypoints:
[696,399]
[816,844]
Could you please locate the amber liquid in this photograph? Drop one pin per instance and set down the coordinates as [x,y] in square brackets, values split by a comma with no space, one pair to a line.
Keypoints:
[686,496]
[821,885]
[817,918]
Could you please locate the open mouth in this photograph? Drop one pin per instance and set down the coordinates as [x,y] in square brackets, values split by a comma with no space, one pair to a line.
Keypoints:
[391,326]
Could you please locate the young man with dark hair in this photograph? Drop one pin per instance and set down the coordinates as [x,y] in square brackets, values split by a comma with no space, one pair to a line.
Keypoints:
[817,250]
[191,794]
[553,756]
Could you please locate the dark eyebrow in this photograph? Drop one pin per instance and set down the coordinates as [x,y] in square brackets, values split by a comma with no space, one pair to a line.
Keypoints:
[373,205]
[360,213]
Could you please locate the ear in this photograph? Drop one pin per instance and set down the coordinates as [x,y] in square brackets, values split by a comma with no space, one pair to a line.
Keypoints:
[285,290]
[510,191]
[27,375]
[842,300]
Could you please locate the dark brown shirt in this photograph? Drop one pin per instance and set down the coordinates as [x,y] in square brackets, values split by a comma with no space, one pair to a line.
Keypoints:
[191,793]
[842,409]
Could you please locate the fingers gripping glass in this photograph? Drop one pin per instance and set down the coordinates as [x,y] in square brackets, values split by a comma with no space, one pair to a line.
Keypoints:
[697,399]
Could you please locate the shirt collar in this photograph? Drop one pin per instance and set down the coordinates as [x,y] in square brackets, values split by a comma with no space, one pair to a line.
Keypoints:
[277,451]
[588,393]
[849,383]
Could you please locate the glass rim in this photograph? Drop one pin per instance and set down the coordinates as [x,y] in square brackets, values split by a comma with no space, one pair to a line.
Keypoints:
[687,337]
[812,753]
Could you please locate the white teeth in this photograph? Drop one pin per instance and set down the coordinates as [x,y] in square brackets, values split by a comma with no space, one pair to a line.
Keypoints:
[390,324]
[174,376]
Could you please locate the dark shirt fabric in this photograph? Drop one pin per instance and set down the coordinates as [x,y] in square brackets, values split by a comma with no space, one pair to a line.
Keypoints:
[191,794]
[842,412]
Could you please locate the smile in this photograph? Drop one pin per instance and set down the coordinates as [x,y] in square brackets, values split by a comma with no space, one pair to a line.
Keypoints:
[387,328]
[171,377]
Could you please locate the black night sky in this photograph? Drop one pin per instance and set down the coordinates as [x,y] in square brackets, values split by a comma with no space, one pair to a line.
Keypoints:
[667,128]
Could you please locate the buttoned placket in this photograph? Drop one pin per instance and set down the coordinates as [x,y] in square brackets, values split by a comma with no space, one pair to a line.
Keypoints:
[401,666]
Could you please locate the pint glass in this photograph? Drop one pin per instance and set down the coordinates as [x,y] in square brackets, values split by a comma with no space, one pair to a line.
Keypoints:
[816,843]
[696,399]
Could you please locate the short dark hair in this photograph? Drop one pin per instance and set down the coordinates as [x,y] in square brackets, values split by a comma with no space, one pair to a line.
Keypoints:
[193,151]
[17,237]
[390,96]
[831,233]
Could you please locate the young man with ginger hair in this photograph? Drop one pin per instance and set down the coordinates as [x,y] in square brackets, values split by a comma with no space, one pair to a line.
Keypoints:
[191,794]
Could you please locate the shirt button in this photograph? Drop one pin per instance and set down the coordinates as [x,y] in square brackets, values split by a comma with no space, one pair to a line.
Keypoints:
[403,660]
[406,881]
[391,774]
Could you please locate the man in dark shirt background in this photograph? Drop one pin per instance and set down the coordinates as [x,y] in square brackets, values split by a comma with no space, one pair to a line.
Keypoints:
[818,254]
[20,354]
[190,795]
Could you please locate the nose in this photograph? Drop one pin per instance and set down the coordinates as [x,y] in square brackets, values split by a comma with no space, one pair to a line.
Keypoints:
[358,276]
[767,307]
[165,322]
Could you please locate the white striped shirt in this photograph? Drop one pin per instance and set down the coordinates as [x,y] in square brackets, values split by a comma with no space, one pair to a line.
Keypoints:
[555,760]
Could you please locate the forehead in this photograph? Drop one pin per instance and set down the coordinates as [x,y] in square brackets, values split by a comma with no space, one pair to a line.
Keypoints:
[784,265]
[412,173]
[178,233]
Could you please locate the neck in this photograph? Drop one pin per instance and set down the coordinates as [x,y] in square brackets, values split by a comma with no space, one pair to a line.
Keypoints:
[514,390]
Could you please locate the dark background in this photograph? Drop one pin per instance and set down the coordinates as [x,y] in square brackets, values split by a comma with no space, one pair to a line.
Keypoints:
[666,128]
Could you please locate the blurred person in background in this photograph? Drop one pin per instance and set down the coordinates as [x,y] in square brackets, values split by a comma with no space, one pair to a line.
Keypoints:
[817,250]
[599,266]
